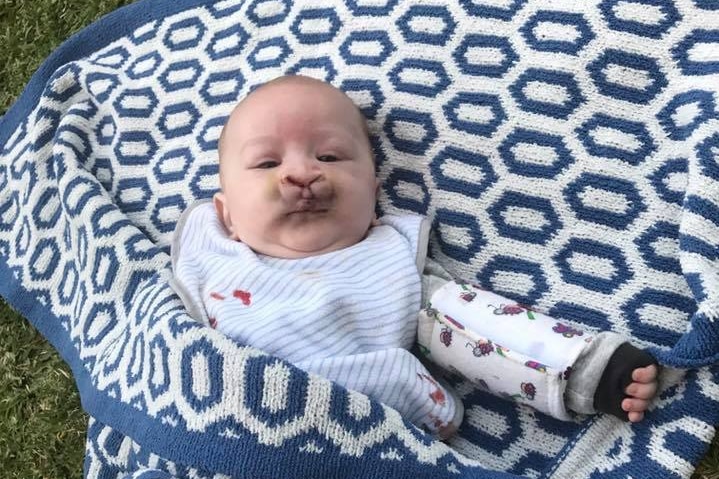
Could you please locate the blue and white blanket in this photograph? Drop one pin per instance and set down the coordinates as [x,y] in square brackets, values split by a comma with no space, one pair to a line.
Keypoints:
[567,153]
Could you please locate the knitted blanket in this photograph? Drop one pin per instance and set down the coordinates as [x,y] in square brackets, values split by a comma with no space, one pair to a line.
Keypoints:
[566,152]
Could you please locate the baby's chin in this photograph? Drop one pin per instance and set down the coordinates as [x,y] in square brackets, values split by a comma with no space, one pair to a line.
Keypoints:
[305,246]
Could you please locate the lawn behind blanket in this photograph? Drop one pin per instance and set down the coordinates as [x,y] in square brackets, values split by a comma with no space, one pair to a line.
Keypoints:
[42,427]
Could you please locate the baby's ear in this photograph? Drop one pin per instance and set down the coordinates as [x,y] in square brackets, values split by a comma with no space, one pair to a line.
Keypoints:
[378,183]
[223,212]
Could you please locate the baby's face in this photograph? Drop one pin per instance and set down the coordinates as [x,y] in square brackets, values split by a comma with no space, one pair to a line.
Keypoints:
[296,171]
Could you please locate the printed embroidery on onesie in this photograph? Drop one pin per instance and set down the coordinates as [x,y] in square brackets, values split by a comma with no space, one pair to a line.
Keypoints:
[567,331]
[243,296]
[485,347]
[437,423]
[529,390]
[511,310]
[467,294]
[445,335]
[536,366]
[436,395]
[481,347]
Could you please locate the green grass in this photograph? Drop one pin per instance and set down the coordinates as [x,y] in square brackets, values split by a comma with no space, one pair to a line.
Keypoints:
[42,427]
[31,29]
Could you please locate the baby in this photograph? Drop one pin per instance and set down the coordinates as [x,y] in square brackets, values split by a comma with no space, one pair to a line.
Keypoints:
[290,258]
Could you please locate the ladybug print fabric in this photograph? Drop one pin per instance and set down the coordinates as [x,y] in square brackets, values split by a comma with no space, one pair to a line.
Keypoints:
[502,346]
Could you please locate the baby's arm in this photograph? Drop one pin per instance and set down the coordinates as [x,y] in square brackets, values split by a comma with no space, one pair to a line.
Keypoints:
[494,329]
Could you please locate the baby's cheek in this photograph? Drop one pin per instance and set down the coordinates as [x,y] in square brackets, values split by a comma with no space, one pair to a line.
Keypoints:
[270,187]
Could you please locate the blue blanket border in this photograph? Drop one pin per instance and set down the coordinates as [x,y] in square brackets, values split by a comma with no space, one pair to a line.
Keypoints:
[180,445]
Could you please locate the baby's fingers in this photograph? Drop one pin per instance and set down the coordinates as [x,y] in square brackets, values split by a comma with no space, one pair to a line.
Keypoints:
[642,391]
[635,416]
[646,374]
[635,405]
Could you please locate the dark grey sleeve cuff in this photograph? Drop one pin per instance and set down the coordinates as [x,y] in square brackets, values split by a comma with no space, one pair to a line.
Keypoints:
[617,376]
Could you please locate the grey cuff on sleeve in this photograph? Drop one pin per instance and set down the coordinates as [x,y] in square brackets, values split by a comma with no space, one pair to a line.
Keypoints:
[434,277]
[587,371]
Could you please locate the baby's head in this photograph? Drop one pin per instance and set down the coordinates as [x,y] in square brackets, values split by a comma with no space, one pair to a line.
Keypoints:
[296,170]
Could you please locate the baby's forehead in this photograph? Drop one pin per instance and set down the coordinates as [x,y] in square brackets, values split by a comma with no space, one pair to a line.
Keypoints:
[297,81]
[263,95]
[292,88]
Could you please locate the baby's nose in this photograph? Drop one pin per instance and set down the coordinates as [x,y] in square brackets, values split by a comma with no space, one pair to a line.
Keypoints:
[301,179]
[300,173]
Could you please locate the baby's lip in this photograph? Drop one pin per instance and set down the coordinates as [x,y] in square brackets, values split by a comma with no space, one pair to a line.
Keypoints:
[308,206]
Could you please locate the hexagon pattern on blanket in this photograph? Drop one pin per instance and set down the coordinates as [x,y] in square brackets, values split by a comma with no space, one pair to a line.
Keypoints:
[565,153]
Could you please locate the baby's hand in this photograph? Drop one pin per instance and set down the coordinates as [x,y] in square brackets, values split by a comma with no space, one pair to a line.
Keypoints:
[641,391]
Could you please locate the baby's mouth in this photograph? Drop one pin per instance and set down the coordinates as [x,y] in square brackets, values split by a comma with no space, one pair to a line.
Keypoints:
[314,199]
[306,205]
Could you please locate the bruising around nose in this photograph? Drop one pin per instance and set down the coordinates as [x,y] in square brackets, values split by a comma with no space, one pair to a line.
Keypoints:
[301,181]
[294,187]
[301,177]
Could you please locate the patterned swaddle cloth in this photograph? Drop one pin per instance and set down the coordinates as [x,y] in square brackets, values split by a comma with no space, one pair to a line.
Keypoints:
[566,152]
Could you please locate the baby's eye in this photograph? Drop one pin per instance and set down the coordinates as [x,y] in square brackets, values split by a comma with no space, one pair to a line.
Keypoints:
[327,158]
[267,164]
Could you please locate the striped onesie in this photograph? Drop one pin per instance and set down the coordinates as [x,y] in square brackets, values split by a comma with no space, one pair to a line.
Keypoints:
[352,315]
[349,315]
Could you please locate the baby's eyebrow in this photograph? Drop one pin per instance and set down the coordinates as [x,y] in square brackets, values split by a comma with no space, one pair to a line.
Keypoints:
[337,134]
[333,131]
[258,141]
